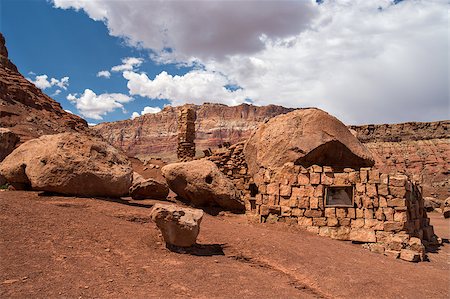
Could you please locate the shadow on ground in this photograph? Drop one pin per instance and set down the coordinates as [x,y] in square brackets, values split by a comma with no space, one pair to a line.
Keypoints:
[199,249]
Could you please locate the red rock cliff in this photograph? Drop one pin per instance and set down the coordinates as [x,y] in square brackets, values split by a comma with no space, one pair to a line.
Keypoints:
[156,134]
[25,109]
[414,148]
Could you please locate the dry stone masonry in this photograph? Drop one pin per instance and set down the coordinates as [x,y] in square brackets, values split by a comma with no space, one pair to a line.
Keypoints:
[385,211]
[186,134]
[231,161]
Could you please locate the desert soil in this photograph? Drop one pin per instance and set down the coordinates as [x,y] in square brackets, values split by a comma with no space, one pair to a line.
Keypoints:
[53,246]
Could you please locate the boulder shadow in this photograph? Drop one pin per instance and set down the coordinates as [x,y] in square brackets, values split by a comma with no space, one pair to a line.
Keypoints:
[199,249]
[109,199]
[435,248]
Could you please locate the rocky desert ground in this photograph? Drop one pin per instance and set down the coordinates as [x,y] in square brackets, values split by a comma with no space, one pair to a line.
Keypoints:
[211,201]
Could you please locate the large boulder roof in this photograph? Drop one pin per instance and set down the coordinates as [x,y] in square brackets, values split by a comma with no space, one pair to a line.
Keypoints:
[306,137]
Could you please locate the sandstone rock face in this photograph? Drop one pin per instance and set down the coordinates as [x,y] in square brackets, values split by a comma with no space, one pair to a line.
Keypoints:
[179,226]
[8,141]
[202,184]
[4,60]
[149,188]
[156,134]
[305,137]
[26,110]
[418,149]
[69,163]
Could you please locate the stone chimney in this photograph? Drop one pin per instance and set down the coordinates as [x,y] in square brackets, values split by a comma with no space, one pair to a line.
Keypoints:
[186,133]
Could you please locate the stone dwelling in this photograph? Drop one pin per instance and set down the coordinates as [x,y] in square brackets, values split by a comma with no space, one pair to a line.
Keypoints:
[306,168]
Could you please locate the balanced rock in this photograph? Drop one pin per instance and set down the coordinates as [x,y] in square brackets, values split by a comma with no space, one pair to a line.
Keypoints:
[305,137]
[179,226]
[149,188]
[69,163]
[8,141]
[202,184]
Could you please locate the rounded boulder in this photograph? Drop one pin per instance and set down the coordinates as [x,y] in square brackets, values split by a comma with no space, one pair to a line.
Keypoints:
[69,163]
[305,137]
[201,183]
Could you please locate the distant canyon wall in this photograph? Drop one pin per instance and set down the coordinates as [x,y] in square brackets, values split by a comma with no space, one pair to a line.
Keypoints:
[156,134]
[415,148]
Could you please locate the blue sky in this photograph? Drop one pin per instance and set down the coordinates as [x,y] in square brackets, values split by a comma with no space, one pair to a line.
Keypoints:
[59,43]
[378,61]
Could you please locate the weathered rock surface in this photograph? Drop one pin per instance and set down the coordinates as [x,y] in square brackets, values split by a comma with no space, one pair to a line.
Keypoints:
[8,141]
[305,137]
[69,163]
[179,226]
[26,110]
[418,149]
[431,203]
[156,134]
[149,188]
[202,184]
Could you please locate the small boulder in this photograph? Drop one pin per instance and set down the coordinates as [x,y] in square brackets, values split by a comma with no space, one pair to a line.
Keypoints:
[69,163]
[8,141]
[446,212]
[410,255]
[201,183]
[431,203]
[149,188]
[179,226]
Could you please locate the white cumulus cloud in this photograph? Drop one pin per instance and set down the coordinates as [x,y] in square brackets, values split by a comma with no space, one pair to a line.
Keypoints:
[195,87]
[94,106]
[128,64]
[199,28]
[146,110]
[104,74]
[42,82]
[134,115]
[363,61]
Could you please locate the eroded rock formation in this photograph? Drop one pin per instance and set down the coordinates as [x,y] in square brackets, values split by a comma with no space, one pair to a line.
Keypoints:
[179,226]
[26,110]
[418,149]
[156,134]
[69,163]
[202,184]
[305,137]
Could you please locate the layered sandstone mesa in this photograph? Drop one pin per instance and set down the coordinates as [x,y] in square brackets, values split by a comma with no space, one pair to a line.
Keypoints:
[186,134]
[421,150]
[305,137]
[26,110]
[156,134]
[69,163]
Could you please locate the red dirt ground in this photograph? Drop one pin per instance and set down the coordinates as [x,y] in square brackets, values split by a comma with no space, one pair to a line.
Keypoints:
[53,246]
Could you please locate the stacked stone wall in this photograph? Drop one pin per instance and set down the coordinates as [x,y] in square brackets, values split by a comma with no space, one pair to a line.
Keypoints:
[231,161]
[387,214]
[387,211]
